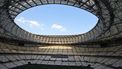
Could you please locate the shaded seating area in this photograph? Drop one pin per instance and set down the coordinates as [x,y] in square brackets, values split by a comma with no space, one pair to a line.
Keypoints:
[35,66]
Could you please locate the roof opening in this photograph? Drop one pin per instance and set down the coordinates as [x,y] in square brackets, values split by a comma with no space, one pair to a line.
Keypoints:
[54,19]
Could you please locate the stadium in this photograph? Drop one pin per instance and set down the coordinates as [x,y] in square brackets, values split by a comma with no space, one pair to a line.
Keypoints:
[99,48]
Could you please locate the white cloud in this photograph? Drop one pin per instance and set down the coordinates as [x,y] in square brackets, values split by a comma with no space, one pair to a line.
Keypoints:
[31,23]
[58,27]
[34,24]
[20,20]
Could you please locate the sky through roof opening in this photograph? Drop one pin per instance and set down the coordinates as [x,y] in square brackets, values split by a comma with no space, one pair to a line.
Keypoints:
[56,19]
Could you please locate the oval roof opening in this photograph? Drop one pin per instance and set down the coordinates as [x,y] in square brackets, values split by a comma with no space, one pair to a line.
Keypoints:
[54,19]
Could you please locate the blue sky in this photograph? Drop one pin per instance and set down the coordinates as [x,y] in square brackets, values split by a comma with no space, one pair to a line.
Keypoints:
[56,20]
